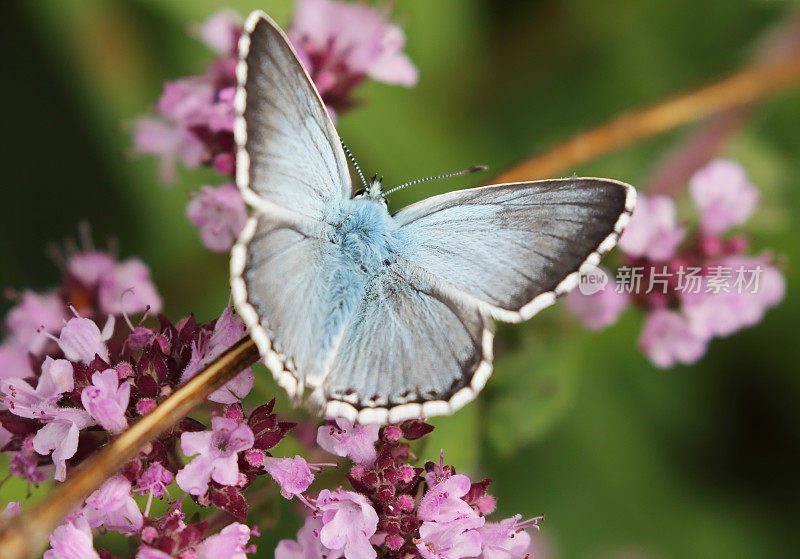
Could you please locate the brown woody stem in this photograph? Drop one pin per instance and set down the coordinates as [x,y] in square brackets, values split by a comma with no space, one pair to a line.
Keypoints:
[24,535]
[737,90]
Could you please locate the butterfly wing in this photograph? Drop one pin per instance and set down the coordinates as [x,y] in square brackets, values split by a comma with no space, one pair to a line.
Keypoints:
[420,344]
[512,249]
[406,353]
[288,151]
[291,170]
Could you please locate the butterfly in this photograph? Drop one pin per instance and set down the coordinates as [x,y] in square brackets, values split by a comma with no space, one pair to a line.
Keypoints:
[379,317]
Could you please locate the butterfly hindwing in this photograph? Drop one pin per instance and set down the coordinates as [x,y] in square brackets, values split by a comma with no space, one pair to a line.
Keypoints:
[283,293]
[405,353]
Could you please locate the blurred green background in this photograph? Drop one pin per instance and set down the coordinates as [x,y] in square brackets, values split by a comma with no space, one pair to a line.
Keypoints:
[623,458]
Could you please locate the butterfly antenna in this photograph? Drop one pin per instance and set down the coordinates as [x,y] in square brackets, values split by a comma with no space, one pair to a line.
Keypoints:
[358,169]
[437,177]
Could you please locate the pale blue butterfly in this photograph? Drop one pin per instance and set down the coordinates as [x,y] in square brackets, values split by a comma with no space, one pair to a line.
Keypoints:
[378,317]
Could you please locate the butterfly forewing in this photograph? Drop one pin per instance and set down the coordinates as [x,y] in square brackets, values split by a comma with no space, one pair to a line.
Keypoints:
[512,248]
[288,149]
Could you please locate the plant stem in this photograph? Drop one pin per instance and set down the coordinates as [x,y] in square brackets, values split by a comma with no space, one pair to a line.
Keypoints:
[739,89]
[24,535]
[673,170]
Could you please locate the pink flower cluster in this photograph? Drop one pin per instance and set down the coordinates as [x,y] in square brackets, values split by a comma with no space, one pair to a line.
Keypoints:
[95,286]
[400,510]
[195,115]
[681,321]
[81,384]
[340,43]
[170,536]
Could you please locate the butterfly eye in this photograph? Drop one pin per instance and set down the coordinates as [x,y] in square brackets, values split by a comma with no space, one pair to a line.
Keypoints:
[359,193]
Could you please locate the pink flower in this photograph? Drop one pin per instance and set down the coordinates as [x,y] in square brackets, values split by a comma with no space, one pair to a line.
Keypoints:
[11,510]
[712,314]
[235,389]
[340,44]
[40,402]
[197,125]
[25,463]
[217,452]
[28,325]
[229,543]
[196,103]
[442,502]
[147,552]
[167,141]
[221,114]
[123,287]
[339,37]
[601,308]
[228,330]
[451,540]
[346,439]
[60,436]
[89,267]
[155,479]
[221,32]
[308,544]
[507,538]
[72,540]
[292,474]
[112,507]
[220,214]
[81,340]
[34,315]
[127,288]
[349,521]
[653,231]
[106,400]
[667,339]
[723,195]
[753,287]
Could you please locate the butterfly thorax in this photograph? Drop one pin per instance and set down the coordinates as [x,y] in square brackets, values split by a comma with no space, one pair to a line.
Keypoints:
[365,233]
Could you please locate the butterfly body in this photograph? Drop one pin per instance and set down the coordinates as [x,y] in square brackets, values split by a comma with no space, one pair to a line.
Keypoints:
[378,317]
[367,240]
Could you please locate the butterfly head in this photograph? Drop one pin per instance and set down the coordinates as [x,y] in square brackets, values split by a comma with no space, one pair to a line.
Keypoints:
[373,191]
